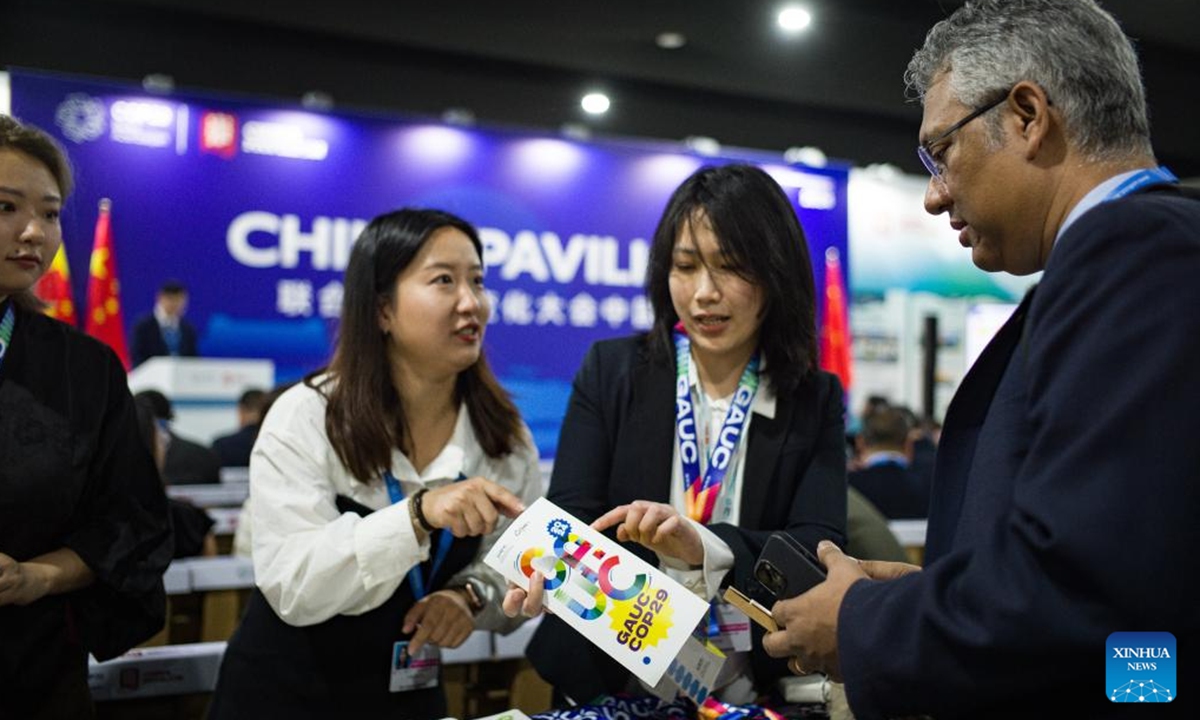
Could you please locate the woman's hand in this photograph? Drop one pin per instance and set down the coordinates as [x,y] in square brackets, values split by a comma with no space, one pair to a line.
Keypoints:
[442,618]
[20,584]
[470,507]
[58,571]
[657,526]
[519,602]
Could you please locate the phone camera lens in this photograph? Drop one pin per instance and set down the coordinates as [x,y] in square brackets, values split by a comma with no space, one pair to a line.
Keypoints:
[770,577]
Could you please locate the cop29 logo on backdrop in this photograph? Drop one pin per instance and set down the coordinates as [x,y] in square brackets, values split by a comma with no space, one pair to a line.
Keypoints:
[1141,667]
[81,117]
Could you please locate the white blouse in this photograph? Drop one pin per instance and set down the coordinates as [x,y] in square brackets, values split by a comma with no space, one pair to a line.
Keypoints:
[313,562]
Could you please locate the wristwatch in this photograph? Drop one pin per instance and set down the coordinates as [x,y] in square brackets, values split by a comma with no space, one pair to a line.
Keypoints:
[473,595]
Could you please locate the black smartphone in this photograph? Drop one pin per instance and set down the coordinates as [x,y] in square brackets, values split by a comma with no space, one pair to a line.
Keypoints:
[785,568]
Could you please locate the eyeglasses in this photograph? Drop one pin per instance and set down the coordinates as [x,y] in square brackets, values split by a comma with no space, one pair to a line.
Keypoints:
[924,150]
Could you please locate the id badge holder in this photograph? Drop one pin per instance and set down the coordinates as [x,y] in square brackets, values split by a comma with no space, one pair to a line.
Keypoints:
[414,671]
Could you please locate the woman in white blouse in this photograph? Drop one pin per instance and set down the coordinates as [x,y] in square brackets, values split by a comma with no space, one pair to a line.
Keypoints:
[377,486]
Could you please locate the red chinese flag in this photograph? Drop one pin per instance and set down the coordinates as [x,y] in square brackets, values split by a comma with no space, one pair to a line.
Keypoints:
[54,289]
[835,326]
[104,319]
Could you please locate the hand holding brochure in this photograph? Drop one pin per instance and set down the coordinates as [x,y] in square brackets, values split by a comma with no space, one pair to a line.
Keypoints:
[623,605]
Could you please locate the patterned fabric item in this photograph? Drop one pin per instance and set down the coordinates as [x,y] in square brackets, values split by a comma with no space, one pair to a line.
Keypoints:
[651,708]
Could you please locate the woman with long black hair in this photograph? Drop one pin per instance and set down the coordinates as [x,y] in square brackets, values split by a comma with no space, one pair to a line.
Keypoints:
[372,485]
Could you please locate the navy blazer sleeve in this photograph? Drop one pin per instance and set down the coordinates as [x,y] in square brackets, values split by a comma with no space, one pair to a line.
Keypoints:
[1101,506]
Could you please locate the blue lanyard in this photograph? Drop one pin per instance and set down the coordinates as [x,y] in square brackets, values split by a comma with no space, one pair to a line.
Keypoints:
[6,331]
[700,490]
[1142,179]
[396,493]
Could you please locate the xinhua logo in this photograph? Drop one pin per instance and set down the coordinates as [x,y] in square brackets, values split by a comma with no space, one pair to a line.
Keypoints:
[1140,667]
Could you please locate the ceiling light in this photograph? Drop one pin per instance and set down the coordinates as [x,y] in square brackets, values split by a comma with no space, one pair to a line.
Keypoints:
[702,145]
[575,131]
[316,100]
[670,40]
[794,18]
[595,103]
[808,155]
[459,116]
[159,83]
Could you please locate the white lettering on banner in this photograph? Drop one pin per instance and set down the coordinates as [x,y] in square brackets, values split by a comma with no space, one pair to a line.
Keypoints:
[544,256]
[294,298]
[329,299]
[493,298]
[293,241]
[237,239]
[281,140]
[142,123]
[328,242]
[641,315]
[583,311]
[551,310]
[614,309]
[517,308]
[260,239]
[525,258]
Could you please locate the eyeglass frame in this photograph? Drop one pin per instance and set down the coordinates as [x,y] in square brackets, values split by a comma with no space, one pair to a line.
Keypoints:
[923,150]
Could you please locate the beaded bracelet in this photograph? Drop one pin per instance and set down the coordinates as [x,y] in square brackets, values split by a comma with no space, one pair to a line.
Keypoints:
[414,507]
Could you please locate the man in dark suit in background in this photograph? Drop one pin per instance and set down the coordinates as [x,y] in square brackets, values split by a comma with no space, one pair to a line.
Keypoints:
[165,331]
[187,462]
[1065,495]
[234,448]
[884,476]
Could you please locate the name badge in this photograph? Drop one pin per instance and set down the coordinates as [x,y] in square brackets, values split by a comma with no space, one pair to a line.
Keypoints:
[733,629]
[414,671]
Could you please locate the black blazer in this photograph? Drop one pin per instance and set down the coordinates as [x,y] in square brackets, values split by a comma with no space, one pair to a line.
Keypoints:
[1065,495]
[148,340]
[74,473]
[616,446]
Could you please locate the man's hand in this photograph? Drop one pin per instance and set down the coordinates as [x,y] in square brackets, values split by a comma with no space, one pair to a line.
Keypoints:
[808,622]
[442,618]
[657,526]
[470,507]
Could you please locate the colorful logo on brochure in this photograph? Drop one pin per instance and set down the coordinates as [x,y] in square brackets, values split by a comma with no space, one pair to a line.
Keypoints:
[582,578]
[1141,667]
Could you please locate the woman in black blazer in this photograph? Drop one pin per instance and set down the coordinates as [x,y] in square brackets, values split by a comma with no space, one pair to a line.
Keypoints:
[728,372]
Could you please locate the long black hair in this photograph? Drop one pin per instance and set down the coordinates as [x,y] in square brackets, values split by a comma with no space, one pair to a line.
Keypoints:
[365,418]
[758,230]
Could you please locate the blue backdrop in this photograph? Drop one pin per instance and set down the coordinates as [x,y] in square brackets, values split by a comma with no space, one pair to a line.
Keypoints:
[255,206]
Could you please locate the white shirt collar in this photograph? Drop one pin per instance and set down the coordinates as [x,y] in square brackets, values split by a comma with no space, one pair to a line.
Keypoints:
[450,461]
[165,320]
[764,398]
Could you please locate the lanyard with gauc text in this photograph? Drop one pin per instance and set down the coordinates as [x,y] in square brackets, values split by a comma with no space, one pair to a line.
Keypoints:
[700,490]
[396,493]
[6,331]
[1142,179]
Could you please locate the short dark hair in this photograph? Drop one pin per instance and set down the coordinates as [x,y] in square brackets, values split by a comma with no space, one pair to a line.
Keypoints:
[252,398]
[365,418]
[157,402]
[172,287]
[757,228]
[886,427]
